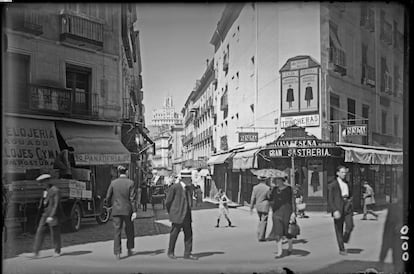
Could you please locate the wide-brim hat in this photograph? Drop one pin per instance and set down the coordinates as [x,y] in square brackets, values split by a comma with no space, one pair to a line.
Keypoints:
[185,173]
[43,177]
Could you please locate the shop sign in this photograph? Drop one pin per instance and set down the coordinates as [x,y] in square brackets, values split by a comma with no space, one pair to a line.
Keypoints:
[301,121]
[302,152]
[299,89]
[355,130]
[101,159]
[248,137]
[28,143]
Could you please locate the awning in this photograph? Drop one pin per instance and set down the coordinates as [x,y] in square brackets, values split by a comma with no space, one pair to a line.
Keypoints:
[144,134]
[245,160]
[372,156]
[94,145]
[219,159]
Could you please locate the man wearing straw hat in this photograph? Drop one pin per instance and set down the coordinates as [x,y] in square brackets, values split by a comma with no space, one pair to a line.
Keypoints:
[51,217]
[179,210]
[259,199]
[121,194]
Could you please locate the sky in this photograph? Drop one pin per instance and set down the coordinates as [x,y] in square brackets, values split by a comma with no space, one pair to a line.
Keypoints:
[175,44]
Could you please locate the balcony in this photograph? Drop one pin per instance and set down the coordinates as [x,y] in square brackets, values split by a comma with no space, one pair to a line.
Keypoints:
[368,75]
[63,101]
[387,83]
[226,62]
[128,112]
[399,41]
[224,102]
[81,31]
[399,88]
[386,33]
[26,20]
[337,60]
[367,19]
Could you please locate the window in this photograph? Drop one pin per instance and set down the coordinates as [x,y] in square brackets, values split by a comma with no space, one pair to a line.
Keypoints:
[17,80]
[384,122]
[334,110]
[396,120]
[351,111]
[78,80]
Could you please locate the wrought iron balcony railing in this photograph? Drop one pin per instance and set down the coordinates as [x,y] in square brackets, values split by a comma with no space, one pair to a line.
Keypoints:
[81,31]
[64,101]
[368,75]
[26,20]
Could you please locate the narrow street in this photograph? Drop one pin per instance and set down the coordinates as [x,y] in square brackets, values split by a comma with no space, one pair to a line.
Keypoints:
[220,250]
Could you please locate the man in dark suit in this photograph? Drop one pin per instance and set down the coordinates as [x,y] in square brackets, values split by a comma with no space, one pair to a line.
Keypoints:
[121,194]
[51,217]
[259,198]
[340,204]
[178,206]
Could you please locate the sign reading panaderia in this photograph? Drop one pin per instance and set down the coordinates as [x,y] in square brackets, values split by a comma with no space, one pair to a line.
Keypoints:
[300,91]
[99,159]
[28,143]
[246,137]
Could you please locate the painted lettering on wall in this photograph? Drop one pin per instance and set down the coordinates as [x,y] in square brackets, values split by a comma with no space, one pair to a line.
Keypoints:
[28,143]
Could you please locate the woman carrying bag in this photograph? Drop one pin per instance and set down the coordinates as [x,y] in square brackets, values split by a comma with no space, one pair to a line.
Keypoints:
[284,218]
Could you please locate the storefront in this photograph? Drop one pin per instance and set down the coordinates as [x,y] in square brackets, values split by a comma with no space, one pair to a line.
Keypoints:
[220,166]
[314,162]
[381,167]
[95,147]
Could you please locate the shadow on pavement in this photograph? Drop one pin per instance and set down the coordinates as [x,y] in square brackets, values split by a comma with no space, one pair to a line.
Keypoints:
[354,266]
[300,241]
[151,252]
[206,254]
[76,253]
[354,250]
[300,252]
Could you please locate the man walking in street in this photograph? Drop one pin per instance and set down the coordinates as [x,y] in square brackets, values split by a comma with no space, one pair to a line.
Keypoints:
[51,217]
[340,204]
[179,210]
[121,196]
[369,201]
[259,199]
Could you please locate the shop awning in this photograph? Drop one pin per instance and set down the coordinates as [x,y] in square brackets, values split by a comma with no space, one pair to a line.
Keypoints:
[369,155]
[219,159]
[94,145]
[245,160]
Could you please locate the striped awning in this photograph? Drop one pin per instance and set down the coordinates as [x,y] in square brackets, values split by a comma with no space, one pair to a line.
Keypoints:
[220,159]
[244,160]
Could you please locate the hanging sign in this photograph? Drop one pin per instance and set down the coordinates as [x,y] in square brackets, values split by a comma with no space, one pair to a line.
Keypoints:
[355,130]
[248,137]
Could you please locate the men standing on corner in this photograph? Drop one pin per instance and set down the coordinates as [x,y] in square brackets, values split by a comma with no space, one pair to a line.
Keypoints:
[51,216]
[179,210]
[340,203]
[121,195]
[259,198]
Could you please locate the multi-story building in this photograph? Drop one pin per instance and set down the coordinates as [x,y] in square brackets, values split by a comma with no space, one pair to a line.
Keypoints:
[63,86]
[176,151]
[334,69]
[166,115]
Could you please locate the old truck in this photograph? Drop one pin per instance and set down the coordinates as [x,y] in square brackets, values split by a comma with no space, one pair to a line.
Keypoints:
[78,199]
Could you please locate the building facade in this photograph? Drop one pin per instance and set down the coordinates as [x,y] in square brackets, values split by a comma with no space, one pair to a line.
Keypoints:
[73,97]
[166,115]
[337,72]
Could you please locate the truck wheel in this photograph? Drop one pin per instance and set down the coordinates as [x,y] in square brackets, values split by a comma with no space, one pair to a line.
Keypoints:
[75,217]
[104,216]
